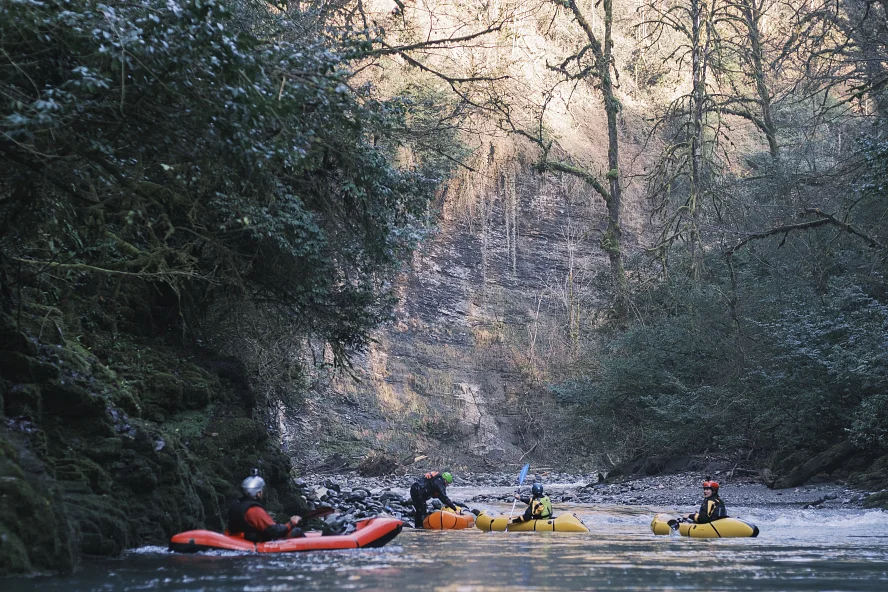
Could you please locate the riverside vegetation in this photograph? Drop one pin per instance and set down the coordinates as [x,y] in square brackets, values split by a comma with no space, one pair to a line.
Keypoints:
[162,163]
[167,167]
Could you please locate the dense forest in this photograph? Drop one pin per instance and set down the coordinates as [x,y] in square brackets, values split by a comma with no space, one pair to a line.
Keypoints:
[755,320]
[204,203]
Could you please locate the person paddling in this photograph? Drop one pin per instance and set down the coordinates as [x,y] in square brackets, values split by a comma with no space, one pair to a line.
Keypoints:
[539,506]
[712,508]
[247,516]
[432,484]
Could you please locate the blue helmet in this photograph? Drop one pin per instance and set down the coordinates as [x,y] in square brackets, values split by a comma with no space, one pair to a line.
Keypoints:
[537,490]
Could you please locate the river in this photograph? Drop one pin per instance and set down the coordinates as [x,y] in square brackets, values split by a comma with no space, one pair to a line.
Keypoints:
[831,549]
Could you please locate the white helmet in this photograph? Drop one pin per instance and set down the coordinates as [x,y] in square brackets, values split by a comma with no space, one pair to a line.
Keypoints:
[253,485]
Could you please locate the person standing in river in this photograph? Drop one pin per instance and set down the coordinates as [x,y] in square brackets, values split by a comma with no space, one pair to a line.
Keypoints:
[712,508]
[539,506]
[432,484]
[247,516]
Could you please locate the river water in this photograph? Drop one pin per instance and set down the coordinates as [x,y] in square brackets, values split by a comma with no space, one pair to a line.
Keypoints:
[827,549]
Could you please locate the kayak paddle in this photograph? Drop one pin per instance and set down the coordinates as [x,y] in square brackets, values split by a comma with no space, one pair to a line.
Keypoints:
[521,477]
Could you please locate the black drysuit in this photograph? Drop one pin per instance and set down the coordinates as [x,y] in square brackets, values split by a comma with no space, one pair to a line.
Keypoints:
[429,486]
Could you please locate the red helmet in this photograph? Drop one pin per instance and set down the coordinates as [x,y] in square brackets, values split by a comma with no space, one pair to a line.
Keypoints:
[713,485]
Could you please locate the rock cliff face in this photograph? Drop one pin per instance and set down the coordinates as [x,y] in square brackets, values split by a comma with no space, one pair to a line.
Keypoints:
[499,296]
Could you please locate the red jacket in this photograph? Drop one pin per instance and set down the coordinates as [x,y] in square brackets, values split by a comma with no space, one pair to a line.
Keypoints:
[248,518]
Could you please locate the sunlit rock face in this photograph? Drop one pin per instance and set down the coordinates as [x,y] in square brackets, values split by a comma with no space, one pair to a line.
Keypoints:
[493,301]
[502,296]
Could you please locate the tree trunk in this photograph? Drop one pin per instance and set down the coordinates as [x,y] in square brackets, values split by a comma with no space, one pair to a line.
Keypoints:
[611,242]
[752,15]
[698,96]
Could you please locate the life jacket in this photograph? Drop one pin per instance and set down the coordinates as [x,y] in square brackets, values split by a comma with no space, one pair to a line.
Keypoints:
[719,511]
[712,508]
[541,508]
[237,519]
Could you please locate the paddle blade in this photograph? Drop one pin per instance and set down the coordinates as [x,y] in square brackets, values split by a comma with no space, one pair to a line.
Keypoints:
[523,473]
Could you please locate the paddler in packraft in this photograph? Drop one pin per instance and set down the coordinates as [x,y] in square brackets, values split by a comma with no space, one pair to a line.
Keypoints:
[247,516]
[712,508]
[432,484]
[539,506]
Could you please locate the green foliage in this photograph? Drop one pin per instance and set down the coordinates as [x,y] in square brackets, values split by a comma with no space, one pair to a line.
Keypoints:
[170,143]
[818,360]
[870,426]
[873,183]
[32,517]
[159,160]
[661,386]
[794,370]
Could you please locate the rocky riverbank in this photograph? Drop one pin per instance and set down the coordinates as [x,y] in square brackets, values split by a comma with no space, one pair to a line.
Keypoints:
[355,497]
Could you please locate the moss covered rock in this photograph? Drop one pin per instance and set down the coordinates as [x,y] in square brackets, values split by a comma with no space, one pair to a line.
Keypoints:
[877,500]
[874,478]
[198,388]
[101,521]
[782,463]
[23,400]
[13,557]
[163,390]
[84,470]
[65,398]
[34,529]
[88,469]
[239,432]
[20,367]
[11,339]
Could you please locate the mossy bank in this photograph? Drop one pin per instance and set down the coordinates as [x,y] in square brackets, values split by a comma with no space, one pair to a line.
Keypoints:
[111,443]
[138,213]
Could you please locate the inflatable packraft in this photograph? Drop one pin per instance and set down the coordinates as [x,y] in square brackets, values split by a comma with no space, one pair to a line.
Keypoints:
[374,532]
[562,523]
[723,528]
[448,520]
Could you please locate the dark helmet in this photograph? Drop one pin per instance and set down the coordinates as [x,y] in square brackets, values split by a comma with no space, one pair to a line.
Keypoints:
[253,485]
[537,489]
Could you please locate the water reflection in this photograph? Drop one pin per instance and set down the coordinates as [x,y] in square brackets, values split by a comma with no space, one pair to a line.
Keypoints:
[797,550]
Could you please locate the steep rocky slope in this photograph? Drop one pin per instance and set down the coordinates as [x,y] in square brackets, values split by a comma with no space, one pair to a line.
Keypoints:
[489,306]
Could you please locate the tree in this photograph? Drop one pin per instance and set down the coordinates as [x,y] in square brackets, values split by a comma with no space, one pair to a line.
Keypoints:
[860,51]
[751,52]
[687,168]
[203,149]
[592,63]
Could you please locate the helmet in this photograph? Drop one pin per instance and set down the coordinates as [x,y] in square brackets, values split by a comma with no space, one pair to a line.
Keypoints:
[253,485]
[713,485]
[447,477]
[537,489]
